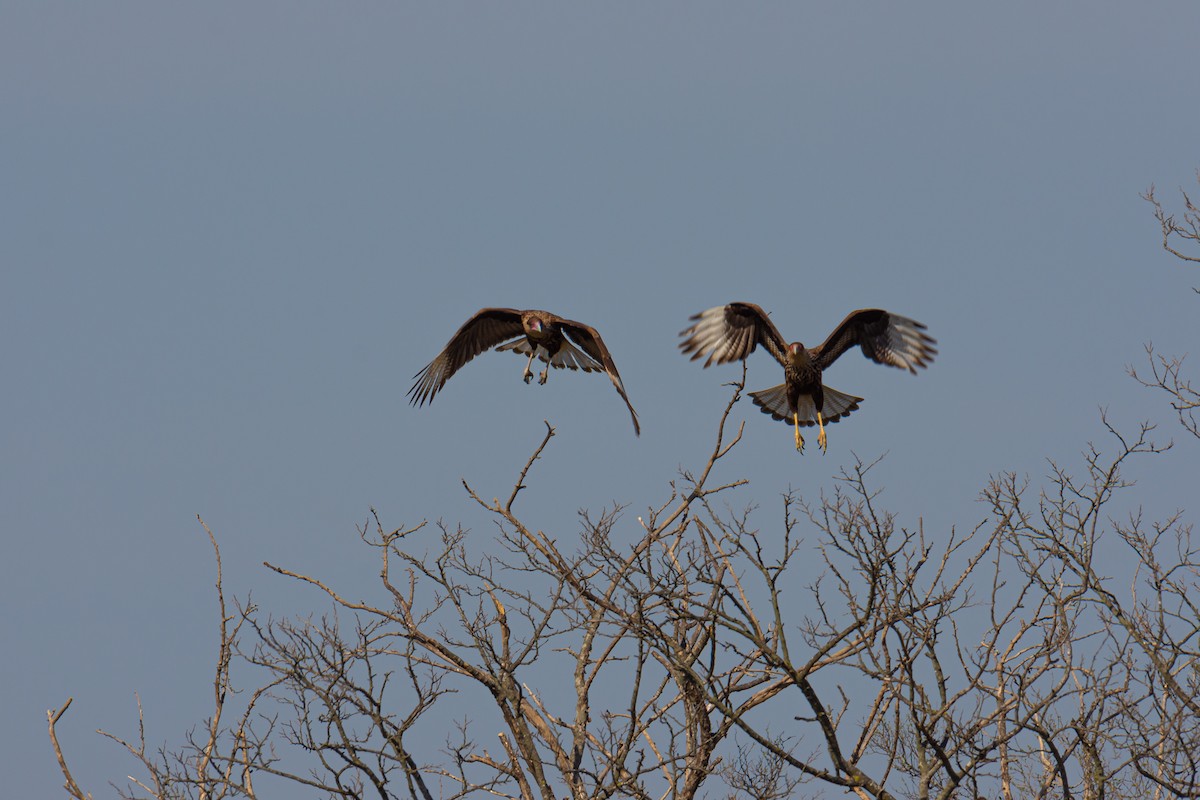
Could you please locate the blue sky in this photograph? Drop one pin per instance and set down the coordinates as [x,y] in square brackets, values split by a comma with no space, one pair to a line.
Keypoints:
[232,234]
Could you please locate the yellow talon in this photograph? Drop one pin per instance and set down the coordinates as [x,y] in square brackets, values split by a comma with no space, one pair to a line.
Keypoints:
[799,438]
[821,435]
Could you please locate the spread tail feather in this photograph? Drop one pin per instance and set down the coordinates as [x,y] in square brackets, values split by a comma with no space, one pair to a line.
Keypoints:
[773,401]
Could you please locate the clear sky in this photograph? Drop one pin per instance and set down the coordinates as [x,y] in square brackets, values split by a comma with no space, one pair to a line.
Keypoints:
[230,234]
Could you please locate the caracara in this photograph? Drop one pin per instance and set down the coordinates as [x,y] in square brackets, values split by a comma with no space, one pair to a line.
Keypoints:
[556,341]
[731,332]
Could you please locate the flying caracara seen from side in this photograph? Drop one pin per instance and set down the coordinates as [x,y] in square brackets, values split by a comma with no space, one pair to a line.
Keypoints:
[556,341]
[731,332]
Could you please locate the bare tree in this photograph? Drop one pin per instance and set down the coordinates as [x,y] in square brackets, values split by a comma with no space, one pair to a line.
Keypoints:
[1178,232]
[1166,373]
[997,662]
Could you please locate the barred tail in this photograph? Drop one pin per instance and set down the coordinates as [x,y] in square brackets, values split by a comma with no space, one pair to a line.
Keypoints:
[773,401]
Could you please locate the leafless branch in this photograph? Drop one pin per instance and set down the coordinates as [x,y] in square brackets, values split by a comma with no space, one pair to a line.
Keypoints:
[1185,229]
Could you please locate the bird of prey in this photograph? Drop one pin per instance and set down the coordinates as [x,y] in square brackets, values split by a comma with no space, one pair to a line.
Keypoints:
[731,332]
[556,341]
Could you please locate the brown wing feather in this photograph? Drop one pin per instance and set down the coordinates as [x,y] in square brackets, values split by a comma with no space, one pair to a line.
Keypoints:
[730,333]
[588,339]
[488,328]
[885,338]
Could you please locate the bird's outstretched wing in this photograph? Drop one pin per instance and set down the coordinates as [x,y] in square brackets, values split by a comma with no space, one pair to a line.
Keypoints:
[730,333]
[588,339]
[885,338]
[488,328]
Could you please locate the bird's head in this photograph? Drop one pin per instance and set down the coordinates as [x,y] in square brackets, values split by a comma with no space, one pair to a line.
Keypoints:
[797,352]
[535,325]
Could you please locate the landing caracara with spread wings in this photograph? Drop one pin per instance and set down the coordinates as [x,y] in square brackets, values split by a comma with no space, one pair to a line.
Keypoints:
[556,341]
[731,332]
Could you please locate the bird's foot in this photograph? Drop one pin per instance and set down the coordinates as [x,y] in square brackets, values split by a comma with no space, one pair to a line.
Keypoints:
[528,376]
[799,438]
[544,376]
[822,441]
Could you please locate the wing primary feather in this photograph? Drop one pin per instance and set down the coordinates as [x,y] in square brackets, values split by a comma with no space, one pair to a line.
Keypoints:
[589,340]
[731,332]
[883,337]
[487,328]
